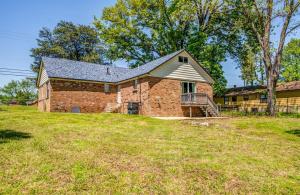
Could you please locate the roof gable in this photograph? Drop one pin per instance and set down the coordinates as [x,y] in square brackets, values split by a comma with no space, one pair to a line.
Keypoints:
[188,71]
[43,77]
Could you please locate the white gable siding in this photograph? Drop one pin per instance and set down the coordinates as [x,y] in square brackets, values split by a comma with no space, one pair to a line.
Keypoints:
[178,71]
[174,69]
[44,77]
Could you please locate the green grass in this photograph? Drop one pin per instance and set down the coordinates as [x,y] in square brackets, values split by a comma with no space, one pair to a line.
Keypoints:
[249,114]
[44,153]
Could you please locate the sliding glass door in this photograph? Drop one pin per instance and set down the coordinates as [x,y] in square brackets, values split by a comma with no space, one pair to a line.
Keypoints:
[188,87]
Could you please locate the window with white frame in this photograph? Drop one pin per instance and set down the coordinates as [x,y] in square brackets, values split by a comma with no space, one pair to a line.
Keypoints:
[188,87]
[183,59]
[106,88]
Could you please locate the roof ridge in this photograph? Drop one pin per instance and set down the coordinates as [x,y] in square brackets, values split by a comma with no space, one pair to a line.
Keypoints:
[159,58]
[83,62]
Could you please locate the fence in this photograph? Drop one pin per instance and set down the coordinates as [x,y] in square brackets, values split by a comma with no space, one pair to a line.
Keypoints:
[260,108]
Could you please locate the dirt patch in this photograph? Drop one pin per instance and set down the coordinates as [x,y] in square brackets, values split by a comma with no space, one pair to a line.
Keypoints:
[234,185]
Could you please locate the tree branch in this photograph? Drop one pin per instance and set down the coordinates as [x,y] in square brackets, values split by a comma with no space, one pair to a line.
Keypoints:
[260,16]
[283,35]
[291,29]
[255,30]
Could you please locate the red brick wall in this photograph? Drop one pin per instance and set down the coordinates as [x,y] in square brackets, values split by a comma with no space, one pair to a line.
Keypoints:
[204,88]
[165,97]
[159,96]
[140,95]
[90,97]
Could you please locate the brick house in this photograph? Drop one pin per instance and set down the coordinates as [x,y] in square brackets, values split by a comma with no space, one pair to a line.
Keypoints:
[173,85]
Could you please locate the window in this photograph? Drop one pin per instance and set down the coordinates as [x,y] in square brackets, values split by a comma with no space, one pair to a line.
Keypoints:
[226,100]
[183,59]
[246,97]
[263,98]
[188,87]
[180,59]
[106,88]
[135,84]
[234,99]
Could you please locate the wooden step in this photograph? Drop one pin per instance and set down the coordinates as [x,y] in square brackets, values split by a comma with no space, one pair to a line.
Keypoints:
[210,111]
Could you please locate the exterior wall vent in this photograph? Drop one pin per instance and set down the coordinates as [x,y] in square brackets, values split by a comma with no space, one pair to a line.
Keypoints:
[75,109]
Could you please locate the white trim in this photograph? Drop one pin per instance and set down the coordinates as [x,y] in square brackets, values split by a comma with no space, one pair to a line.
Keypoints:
[193,82]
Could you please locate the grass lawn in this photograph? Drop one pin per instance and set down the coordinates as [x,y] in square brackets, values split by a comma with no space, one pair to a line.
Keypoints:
[113,153]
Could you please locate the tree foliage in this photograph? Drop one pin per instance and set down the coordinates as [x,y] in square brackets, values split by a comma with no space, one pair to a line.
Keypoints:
[142,30]
[248,66]
[70,41]
[291,61]
[19,91]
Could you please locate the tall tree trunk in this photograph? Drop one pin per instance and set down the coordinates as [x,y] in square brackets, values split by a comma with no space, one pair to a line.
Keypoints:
[271,91]
[261,68]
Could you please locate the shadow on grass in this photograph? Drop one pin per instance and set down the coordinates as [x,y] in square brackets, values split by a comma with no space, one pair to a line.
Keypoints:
[2,110]
[6,135]
[295,132]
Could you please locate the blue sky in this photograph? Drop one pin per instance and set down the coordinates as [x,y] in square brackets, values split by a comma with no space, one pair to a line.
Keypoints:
[21,20]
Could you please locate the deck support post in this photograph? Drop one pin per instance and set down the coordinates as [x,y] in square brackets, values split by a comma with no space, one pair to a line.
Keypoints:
[190,111]
[206,114]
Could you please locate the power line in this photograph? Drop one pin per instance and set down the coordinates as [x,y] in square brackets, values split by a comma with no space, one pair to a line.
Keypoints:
[16,69]
[21,75]
[15,72]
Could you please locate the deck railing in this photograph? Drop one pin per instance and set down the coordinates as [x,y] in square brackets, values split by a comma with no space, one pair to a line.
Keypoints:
[194,98]
[198,99]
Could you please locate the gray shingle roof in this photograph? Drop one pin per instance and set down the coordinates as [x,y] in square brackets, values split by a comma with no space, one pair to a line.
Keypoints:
[69,69]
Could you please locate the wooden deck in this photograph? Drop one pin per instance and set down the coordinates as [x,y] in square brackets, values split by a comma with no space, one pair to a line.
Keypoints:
[201,100]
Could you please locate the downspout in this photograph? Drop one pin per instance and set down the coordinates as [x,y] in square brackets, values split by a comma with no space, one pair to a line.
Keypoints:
[140,93]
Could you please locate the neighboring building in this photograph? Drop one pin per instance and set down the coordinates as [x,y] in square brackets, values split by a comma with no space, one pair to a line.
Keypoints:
[173,85]
[32,103]
[254,98]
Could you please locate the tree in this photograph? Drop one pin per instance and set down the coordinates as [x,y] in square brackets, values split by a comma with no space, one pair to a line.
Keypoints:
[210,56]
[291,61]
[261,19]
[20,91]
[249,60]
[70,41]
[248,67]
[140,31]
